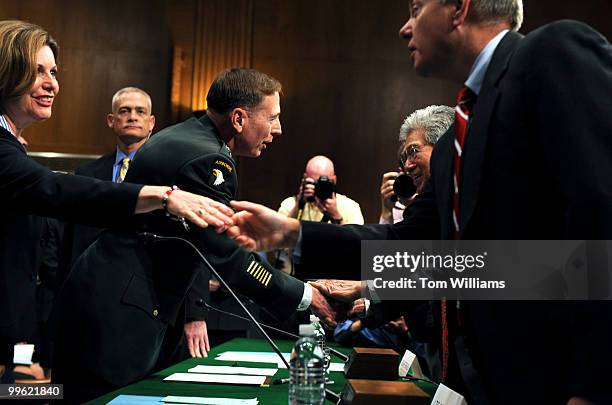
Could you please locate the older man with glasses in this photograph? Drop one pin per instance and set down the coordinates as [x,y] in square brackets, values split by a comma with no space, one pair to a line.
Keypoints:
[417,136]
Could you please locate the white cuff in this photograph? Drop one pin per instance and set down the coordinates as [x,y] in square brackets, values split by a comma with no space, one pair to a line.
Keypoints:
[372,292]
[306,298]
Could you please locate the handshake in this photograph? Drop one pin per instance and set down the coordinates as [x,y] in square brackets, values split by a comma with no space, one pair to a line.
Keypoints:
[336,300]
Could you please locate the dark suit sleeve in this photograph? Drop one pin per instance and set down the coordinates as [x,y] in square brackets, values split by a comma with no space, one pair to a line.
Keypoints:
[214,176]
[333,251]
[31,188]
[570,83]
[194,311]
[76,237]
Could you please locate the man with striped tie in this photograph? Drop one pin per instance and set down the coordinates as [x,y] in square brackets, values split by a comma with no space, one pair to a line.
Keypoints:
[132,122]
[532,117]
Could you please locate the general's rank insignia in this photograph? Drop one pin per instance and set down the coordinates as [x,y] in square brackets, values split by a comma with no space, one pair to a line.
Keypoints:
[259,273]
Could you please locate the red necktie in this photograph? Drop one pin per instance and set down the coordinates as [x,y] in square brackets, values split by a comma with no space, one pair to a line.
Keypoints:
[463,111]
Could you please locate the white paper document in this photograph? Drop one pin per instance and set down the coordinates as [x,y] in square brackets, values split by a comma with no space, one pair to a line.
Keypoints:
[218,378]
[410,365]
[266,357]
[233,370]
[446,396]
[254,357]
[209,401]
[23,354]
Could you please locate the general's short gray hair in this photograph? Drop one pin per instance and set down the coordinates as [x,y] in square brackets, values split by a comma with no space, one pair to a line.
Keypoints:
[130,89]
[494,11]
[435,120]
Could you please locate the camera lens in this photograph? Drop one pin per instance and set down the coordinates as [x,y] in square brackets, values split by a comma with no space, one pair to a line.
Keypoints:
[404,186]
[324,188]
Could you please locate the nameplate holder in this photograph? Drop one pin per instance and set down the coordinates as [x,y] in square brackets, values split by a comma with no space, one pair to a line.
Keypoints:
[372,364]
[372,392]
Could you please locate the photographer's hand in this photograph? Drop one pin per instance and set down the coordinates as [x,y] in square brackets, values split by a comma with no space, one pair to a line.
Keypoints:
[305,191]
[329,207]
[308,188]
[387,196]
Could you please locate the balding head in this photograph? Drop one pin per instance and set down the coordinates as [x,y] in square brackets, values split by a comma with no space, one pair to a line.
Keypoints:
[320,166]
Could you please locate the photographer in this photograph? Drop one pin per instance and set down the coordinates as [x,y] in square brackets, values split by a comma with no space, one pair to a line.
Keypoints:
[317,200]
[417,136]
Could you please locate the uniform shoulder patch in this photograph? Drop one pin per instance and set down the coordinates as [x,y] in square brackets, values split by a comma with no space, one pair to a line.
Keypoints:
[224,164]
[217,177]
[220,170]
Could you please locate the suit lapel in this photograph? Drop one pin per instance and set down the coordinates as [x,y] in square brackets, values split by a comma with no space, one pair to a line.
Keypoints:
[478,131]
[104,170]
[11,138]
[442,173]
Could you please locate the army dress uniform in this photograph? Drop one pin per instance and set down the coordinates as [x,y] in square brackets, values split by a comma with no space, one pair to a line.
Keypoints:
[123,292]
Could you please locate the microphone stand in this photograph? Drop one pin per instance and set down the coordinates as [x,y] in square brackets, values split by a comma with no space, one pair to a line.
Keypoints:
[330,395]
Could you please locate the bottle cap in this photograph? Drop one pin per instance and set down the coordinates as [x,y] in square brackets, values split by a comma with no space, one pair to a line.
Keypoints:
[314,318]
[307,330]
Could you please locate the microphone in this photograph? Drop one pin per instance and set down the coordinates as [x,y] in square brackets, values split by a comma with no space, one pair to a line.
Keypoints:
[151,237]
[206,305]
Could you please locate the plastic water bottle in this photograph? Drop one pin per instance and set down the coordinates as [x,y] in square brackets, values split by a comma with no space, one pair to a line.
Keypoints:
[306,376]
[320,338]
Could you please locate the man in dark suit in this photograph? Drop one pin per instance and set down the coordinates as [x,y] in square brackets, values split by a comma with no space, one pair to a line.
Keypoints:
[538,120]
[132,122]
[123,294]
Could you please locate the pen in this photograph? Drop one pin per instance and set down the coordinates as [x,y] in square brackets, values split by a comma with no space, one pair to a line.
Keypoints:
[280,381]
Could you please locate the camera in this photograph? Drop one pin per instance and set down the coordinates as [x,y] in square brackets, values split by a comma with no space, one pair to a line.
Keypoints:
[324,188]
[404,186]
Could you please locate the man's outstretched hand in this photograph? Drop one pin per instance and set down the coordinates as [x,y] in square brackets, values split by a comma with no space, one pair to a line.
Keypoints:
[258,228]
[327,309]
[341,290]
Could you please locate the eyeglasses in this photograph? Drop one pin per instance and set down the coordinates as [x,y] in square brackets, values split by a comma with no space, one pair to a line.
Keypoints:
[409,154]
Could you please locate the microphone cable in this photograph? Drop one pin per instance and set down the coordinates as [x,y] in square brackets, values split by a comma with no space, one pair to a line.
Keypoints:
[330,395]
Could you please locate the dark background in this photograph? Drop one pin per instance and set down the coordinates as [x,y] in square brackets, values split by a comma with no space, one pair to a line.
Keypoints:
[347,79]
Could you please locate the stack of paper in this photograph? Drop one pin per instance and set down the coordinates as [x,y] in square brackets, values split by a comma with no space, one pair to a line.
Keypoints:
[209,401]
[266,357]
[218,378]
[150,400]
[254,357]
[233,370]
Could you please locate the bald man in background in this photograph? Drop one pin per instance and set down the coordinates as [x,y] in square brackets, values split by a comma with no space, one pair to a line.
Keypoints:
[338,209]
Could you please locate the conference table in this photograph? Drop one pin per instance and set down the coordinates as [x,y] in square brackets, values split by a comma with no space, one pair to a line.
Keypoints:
[154,385]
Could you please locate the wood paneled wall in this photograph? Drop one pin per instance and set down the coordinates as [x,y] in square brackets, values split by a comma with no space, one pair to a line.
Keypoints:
[348,86]
[104,45]
[347,79]
[210,36]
